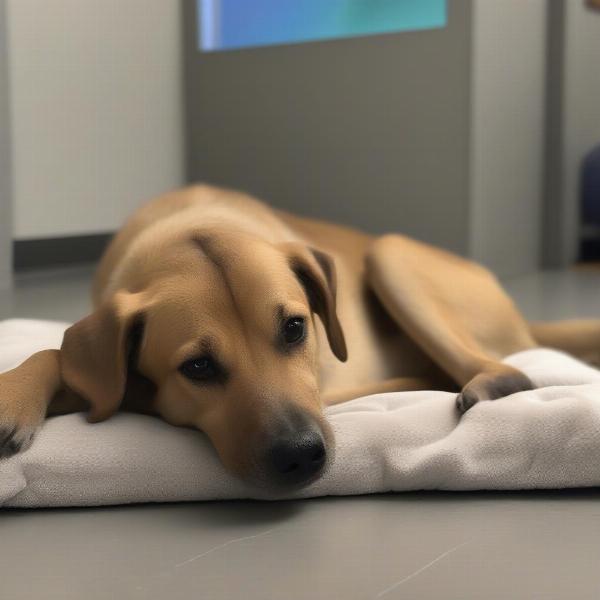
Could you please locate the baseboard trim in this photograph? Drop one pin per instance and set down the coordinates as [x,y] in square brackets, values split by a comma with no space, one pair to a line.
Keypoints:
[58,252]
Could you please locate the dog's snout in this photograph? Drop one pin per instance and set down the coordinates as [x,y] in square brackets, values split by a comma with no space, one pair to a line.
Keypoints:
[297,458]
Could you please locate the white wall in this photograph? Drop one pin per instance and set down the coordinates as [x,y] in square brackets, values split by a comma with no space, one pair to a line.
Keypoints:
[581,116]
[97,111]
[507,133]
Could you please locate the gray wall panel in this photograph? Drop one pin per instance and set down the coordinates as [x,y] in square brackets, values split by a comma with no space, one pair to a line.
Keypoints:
[507,133]
[368,131]
[553,242]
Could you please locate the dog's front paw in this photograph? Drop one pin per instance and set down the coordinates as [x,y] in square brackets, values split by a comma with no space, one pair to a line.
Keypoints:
[15,438]
[19,422]
[22,413]
[25,393]
[491,385]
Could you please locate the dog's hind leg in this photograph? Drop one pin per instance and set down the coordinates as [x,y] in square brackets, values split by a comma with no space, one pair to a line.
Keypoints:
[579,337]
[456,311]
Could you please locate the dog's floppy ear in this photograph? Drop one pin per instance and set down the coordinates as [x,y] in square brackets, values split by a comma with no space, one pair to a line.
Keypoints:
[95,354]
[316,272]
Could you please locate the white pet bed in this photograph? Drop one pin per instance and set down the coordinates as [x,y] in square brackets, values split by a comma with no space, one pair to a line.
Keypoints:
[547,438]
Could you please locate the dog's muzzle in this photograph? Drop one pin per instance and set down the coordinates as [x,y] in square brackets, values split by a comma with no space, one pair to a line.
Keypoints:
[296,453]
[297,457]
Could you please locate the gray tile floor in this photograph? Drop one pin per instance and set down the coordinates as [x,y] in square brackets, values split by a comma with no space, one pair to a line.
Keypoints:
[534,545]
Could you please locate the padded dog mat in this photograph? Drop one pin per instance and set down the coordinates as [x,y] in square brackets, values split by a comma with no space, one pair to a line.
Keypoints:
[545,438]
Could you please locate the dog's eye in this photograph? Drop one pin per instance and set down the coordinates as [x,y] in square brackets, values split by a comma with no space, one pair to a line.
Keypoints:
[293,330]
[200,369]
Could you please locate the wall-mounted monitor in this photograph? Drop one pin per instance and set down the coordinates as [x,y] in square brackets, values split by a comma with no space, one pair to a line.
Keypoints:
[233,24]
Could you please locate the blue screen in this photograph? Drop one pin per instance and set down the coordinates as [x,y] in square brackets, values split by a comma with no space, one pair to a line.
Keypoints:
[231,24]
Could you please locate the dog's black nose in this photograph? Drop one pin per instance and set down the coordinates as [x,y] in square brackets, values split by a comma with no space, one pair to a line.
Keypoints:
[297,458]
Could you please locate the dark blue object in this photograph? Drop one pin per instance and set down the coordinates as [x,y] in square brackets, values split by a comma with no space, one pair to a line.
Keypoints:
[590,188]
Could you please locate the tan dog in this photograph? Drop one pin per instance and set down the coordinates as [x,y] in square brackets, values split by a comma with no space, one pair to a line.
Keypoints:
[204,306]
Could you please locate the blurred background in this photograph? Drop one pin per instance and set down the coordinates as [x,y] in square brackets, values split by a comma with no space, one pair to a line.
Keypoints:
[470,124]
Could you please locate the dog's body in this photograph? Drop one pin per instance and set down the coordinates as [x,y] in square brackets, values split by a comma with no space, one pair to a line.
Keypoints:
[218,289]
[377,350]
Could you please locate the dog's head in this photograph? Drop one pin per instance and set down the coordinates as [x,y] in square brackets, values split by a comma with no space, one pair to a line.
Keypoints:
[228,338]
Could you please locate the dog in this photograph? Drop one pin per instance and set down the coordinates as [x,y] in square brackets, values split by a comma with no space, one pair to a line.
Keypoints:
[214,311]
